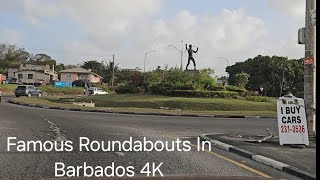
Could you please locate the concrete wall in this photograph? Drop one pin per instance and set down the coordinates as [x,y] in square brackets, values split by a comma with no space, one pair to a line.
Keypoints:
[94,79]
[37,76]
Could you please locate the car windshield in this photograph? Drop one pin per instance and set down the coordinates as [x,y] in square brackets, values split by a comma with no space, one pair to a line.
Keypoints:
[21,87]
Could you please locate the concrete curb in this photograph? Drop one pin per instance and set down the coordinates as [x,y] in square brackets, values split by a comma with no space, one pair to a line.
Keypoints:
[259,158]
[136,113]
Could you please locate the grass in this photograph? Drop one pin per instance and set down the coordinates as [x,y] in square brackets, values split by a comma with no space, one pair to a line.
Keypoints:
[8,89]
[190,104]
[53,101]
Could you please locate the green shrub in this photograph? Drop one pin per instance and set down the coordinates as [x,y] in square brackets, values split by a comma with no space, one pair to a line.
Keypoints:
[208,94]
[241,91]
[216,88]
[258,99]
[51,90]
[125,89]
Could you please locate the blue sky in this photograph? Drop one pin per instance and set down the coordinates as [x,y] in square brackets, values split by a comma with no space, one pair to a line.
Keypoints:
[73,31]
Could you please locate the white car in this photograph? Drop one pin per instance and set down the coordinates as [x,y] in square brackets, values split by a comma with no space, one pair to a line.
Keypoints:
[97,91]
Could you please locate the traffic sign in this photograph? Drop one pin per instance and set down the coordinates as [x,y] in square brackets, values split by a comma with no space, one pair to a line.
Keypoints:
[292,124]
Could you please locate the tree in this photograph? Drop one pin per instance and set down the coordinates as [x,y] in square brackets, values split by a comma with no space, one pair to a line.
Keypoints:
[12,56]
[241,79]
[275,74]
[42,59]
[59,67]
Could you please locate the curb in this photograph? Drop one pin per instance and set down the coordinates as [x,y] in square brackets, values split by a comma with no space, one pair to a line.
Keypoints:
[259,158]
[138,113]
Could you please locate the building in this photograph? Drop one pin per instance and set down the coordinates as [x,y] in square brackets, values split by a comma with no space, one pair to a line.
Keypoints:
[30,74]
[79,73]
[2,78]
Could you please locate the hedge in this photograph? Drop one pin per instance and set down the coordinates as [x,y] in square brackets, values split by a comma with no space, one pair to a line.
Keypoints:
[129,89]
[51,90]
[258,99]
[207,94]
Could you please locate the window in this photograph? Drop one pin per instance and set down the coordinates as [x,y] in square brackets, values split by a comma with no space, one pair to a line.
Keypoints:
[30,76]
[83,77]
[68,76]
[20,76]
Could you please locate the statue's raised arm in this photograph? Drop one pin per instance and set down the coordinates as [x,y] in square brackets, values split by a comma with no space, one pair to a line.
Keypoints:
[196,50]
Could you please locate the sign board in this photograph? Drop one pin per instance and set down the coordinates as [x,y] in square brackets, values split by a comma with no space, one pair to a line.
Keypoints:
[63,84]
[292,124]
[309,60]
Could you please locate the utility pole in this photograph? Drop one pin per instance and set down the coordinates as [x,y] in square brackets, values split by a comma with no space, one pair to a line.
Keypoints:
[310,68]
[282,80]
[113,66]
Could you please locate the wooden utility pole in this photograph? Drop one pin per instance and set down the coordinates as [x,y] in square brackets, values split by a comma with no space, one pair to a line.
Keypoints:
[310,67]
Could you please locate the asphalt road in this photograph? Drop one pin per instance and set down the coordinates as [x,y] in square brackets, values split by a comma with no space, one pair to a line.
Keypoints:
[36,124]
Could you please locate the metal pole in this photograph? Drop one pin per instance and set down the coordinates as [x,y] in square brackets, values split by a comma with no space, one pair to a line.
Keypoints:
[113,65]
[310,68]
[181,55]
[145,59]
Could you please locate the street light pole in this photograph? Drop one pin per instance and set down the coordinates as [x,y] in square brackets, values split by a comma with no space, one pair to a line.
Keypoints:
[113,66]
[181,53]
[145,59]
[225,60]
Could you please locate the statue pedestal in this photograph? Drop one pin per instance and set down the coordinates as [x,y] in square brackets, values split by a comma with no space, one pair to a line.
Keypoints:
[192,72]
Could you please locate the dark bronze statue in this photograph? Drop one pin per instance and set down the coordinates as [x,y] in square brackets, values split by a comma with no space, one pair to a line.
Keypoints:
[190,57]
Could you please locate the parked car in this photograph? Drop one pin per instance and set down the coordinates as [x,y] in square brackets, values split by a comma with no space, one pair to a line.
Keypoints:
[97,91]
[39,82]
[27,90]
[11,80]
[81,83]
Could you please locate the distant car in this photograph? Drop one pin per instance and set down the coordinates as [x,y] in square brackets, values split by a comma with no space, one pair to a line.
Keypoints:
[27,90]
[11,80]
[39,82]
[81,83]
[97,91]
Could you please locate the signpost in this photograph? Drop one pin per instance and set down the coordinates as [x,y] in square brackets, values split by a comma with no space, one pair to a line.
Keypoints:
[292,124]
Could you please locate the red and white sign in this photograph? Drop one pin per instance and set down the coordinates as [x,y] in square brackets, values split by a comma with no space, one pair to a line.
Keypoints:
[309,61]
[292,124]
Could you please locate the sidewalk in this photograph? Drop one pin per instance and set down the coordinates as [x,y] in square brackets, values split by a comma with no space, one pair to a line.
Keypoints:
[300,159]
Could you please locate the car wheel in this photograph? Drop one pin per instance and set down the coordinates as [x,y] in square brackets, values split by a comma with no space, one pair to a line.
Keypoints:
[40,94]
[29,94]
[17,96]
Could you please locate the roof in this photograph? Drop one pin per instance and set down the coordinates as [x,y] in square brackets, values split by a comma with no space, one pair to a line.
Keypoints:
[79,70]
[76,70]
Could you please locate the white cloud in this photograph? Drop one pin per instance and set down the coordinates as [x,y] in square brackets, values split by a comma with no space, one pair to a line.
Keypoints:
[10,36]
[130,28]
[292,8]
[36,11]
[108,22]
[231,33]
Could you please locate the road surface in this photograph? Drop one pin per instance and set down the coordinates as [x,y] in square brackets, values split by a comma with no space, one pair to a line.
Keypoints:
[28,124]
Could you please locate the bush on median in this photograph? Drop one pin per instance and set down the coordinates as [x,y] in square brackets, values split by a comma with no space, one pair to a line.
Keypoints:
[207,94]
